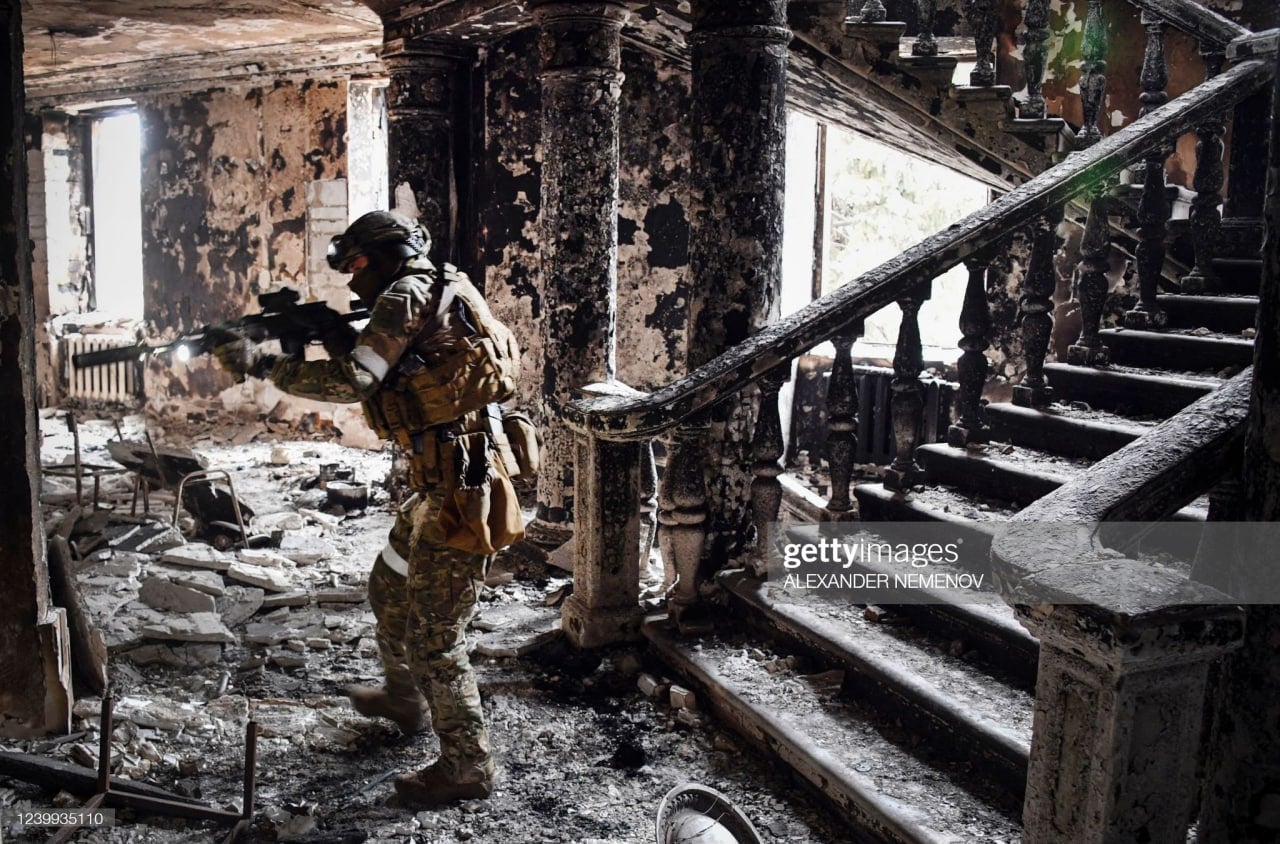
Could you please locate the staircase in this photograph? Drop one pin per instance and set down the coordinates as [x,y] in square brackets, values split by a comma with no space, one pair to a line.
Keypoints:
[916,719]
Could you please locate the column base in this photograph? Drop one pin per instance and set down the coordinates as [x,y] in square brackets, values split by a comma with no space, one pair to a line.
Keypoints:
[849,515]
[958,436]
[1032,396]
[901,480]
[1198,282]
[1078,355]
[594,627]
[1145,319]
[548,535]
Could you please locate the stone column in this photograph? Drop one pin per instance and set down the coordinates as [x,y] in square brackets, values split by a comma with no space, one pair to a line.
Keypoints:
[424,152]
[34,669]
[739,54]
[581,88]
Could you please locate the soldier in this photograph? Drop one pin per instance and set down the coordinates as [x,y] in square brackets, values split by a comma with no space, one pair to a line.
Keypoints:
[427,369]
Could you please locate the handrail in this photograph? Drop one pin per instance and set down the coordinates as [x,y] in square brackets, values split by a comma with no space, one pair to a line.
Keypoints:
[638,418]
[1195,20]
[1051,552]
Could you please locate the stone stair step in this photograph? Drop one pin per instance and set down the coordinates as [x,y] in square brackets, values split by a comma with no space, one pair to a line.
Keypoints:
[1176,350]
[1061,429]
[1239,275]
[1227,314]
[1127,391]
[975,714]
[1011,473]
[888,794]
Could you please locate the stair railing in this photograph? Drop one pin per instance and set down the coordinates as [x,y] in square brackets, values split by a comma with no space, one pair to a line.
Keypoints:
[613,430]
[1125,645]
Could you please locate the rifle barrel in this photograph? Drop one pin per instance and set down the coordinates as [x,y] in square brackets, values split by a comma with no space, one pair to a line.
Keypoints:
[112,354]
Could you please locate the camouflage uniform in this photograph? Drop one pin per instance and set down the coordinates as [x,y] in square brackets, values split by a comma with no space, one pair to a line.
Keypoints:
[423,608]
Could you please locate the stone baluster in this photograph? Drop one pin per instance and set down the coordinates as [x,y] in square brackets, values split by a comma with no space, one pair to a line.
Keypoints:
[1153,207]
[984,20]
[648,504]
[972,368]
[1093,74]
[870,11]
[1205,214]
[925,44]
[842,424]
[907,403]
[1036,311]
[767,448]
[1091,290]
[1035,52]
[682,519]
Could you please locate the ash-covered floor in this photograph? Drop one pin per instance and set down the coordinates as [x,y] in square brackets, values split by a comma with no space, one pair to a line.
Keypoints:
[201,640]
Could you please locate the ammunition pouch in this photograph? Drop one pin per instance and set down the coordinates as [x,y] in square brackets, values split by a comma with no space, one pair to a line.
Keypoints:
[480,513]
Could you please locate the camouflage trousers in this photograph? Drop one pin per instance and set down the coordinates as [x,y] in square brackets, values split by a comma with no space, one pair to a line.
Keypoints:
[422,619]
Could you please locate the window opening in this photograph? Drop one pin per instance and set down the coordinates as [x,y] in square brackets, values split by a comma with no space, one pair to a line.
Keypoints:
[117,214]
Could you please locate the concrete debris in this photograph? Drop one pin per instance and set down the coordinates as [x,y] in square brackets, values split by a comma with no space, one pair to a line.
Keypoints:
[240,604]
[682,698]
[201,580]
[515,629]
[197,555]
[151,538]
[270,579]
[305,548]
[270,522]
[266,633]
[651,686]
[177,656]
[280,456]
[339,596]
[197,627]
[264,557]
[297,598]
[162,594]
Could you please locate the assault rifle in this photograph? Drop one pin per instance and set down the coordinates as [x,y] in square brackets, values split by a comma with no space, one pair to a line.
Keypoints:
[282,318]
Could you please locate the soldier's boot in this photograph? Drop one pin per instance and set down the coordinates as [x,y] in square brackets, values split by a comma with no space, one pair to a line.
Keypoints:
[437,785]
[396,701]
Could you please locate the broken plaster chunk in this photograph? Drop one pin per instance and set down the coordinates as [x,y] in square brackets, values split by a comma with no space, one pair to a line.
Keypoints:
[340,596]
[269,522]
[201,580]
[280,456]
[161,594]
[682,698]
[289,659]
[240,604]
[197,555]
[272,580]
[264,557]
[650,686]
[305,549]
[297,598]
[266,633]
[177,656]
[196,627]
[317,643]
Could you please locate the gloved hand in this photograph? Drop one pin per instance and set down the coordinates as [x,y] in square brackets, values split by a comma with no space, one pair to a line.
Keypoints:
[339,340]
[242,357]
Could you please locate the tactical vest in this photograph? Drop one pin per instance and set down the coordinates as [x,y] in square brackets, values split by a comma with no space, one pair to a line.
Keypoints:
[429,389]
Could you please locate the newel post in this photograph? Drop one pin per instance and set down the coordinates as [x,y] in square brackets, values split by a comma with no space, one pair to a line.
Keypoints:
[682,518]
[611,544]
[1117,727]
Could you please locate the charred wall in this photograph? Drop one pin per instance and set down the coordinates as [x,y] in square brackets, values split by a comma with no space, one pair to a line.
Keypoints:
[653,227]
[224,211]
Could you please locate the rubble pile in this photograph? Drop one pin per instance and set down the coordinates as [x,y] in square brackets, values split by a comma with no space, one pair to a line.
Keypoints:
[201,639]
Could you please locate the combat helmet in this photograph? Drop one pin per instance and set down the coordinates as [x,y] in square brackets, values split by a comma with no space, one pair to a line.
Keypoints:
[381,234]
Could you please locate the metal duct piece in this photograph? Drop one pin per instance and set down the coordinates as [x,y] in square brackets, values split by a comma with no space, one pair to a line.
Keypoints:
[695,814]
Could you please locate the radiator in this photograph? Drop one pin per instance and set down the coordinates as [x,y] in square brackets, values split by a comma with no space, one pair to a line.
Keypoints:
[113,382]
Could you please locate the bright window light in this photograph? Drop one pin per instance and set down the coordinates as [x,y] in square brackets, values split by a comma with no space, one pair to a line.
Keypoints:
[117,214]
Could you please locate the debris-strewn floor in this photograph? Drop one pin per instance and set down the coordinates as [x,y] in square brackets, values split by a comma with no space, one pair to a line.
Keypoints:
[201,640]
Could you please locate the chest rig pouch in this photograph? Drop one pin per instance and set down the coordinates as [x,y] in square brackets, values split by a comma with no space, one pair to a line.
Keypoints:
[430,389]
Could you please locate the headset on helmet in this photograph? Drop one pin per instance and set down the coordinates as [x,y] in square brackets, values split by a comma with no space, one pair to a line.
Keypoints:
[383,231]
